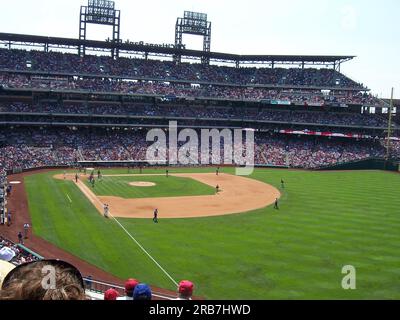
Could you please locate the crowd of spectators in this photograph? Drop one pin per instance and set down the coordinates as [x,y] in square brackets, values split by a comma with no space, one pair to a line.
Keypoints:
[394,146]
[4,188]
[166,89]
[27,148]
[23,60]
[201,112]
[303,152]
[13,253]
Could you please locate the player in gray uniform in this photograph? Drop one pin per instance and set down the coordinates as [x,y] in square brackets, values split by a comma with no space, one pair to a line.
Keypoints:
[106,210]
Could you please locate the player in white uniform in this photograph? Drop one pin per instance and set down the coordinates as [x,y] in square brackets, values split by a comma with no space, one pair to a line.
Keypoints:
[106,209]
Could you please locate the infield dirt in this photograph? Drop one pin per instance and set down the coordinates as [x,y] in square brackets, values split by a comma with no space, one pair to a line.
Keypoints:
[237,194]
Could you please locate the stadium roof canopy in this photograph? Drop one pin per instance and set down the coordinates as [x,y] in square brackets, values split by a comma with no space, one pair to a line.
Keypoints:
[396,102]
[11,39]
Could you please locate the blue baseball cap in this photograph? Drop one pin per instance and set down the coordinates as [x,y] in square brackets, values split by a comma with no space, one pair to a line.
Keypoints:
[142,292]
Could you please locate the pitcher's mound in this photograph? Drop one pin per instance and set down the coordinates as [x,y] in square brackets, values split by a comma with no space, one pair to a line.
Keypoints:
[142,184]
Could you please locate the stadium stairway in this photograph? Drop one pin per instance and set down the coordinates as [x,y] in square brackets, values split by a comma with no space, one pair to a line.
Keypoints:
[80,155]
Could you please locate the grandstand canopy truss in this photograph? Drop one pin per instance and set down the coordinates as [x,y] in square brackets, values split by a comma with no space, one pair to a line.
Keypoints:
[100,12]
[11,40]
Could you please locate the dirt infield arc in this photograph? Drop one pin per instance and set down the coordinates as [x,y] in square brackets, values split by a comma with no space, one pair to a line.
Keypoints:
[238,194]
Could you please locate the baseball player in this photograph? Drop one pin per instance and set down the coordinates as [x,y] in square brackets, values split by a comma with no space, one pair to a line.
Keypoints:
[20,238]
[276,205]
[26,229]
[65,173]
[155,217]
[76,178]
[106,210]
[9,218]
[8,190]
[166,172]
[282,184]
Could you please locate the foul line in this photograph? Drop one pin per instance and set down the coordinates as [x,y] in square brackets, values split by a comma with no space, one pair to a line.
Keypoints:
[144,250]
[139,245]
[69,198]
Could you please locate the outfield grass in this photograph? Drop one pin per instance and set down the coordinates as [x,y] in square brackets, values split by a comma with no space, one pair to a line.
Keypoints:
[326,220]
[165,187]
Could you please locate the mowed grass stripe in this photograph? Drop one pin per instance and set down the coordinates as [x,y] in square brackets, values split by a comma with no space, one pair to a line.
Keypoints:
[325,221]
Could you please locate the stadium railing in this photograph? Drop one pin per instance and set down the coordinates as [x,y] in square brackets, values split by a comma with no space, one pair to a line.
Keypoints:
[95,289]
[30,251]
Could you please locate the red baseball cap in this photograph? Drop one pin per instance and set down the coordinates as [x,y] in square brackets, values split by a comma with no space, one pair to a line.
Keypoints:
[110,294]
[185,287]
[130,284]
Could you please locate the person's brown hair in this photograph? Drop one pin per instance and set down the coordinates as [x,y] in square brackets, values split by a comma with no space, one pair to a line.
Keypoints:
[25,283]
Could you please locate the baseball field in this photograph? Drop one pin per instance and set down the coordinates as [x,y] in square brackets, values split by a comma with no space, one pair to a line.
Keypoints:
[232,244]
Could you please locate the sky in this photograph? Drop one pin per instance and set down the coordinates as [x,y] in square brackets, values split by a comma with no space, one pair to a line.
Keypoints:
[368,29]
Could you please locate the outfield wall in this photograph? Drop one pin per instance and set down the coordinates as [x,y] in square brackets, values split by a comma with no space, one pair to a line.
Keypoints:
[20,170]
[367,164]
[129,164]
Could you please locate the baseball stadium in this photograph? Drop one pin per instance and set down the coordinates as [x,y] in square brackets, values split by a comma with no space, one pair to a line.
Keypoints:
[122,167]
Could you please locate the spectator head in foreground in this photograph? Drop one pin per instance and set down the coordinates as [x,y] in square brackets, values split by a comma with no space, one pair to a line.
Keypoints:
[185,290]
[142,292]
[5,269]
[130,286]
[43,280]
[111,294]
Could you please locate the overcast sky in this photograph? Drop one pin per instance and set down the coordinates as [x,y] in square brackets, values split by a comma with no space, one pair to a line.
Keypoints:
[368,29]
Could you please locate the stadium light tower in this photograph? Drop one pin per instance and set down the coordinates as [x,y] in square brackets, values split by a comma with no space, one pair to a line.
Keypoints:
[100,12]
[194,23]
